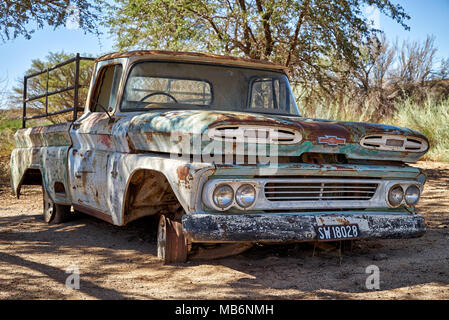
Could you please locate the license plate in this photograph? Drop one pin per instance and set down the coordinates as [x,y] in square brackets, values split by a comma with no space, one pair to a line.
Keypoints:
[337,232]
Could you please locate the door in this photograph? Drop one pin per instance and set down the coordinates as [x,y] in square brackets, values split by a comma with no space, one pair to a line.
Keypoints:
[93,144]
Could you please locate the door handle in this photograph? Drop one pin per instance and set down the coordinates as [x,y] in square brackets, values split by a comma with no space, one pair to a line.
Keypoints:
[79,174]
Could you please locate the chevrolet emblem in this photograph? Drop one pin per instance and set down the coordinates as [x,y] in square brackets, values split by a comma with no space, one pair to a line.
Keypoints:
[331,140]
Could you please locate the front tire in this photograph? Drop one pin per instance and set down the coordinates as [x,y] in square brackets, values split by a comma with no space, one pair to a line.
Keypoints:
[171,243]
[54,213]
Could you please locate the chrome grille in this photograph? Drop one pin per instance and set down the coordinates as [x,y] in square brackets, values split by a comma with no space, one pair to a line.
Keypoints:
[319,191]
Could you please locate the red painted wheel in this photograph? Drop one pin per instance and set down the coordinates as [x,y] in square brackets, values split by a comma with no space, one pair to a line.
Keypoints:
[171,243]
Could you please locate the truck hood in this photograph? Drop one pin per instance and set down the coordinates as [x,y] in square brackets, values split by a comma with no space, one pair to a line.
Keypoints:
[160,131]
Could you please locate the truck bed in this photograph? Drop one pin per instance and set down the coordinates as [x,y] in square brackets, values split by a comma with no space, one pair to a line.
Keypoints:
[39,147]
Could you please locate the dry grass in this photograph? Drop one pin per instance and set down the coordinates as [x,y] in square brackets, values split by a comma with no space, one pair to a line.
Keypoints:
[344,111]
[432,119]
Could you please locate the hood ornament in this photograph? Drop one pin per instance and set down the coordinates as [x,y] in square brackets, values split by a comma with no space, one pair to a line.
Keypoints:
[331,140]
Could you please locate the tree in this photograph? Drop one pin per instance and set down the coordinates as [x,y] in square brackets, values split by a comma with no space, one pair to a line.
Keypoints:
[375,66]
[416,61]
[58,78]
[313,38]
[443,70]
[17,16]
[414,69]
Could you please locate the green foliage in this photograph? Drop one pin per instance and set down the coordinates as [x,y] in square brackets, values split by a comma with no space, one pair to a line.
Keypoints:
[17,17]
[9,123]
[314,38]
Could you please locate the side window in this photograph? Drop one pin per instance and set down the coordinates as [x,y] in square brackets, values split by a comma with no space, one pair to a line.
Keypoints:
[265,94]
[106,90]
[271,93]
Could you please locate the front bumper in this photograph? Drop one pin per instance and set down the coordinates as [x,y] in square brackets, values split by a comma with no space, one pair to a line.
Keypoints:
[297,226]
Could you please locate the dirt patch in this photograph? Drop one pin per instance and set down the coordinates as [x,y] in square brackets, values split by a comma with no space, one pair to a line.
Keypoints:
[121,263]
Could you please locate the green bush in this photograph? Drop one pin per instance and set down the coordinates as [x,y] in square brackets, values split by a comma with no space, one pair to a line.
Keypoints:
[8,126]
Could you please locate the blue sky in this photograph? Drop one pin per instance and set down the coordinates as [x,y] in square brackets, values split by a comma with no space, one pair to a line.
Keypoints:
[427,17]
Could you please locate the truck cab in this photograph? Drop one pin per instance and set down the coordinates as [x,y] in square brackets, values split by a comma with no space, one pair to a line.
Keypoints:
[217,149]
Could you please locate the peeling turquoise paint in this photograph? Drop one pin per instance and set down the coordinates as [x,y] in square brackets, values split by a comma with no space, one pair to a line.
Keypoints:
[151,131]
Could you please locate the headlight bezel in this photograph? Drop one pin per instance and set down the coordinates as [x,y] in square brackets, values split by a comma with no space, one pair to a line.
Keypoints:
[235,185]
[239,189]
[418,196]
[231,189]
[404,186]
[390,190]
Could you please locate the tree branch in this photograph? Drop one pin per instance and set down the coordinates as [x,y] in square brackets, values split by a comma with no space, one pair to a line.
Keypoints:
[266,27]
[294,43]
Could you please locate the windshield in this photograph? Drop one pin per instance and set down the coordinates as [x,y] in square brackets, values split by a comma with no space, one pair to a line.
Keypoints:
[177,85]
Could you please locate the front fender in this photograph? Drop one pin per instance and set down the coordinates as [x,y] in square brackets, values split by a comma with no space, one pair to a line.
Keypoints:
[185,179]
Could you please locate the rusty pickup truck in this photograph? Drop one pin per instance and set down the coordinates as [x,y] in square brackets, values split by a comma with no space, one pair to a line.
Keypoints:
[216,149]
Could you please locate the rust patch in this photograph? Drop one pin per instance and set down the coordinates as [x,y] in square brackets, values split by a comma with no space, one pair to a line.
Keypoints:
[313,130]
[93,212]
[224,227]
[105,139]
[148,136]
[183,172]
[343,221]
[193,56]
[83,180]
[184,176]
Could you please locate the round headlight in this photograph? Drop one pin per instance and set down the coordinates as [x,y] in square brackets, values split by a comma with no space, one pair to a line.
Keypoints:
[395,196]
[412,195]
[245,195]
[223,196]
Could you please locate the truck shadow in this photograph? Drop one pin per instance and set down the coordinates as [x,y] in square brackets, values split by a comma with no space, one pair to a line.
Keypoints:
[16,292]
[302,272]
[28,238]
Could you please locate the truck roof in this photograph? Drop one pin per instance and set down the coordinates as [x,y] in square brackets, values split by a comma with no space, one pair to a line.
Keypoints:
[195,57]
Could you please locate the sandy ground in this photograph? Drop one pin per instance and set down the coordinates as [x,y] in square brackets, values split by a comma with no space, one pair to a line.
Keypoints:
[121,263]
